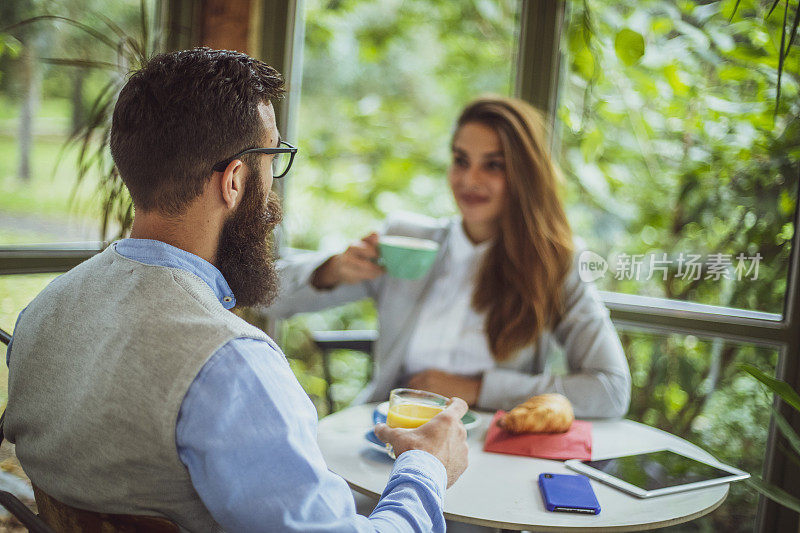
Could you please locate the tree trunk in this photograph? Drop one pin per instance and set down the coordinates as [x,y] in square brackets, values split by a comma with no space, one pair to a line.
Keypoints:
[31,86]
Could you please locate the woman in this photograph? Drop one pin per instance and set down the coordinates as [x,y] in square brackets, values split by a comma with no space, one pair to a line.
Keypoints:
[486,321]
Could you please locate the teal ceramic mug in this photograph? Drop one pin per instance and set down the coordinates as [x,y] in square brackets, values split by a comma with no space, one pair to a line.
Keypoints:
[407,257]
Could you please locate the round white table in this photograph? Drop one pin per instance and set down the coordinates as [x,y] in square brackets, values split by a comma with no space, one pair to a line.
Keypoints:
[499,490]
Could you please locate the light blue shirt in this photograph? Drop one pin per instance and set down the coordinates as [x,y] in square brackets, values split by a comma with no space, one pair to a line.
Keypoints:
[247,433]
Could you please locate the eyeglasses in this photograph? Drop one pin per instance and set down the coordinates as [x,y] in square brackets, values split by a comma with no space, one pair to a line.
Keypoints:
[281,162]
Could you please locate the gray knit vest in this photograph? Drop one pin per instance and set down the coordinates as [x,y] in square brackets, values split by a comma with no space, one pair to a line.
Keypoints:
[100,363]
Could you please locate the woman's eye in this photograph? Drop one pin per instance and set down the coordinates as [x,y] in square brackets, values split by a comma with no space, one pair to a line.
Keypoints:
[495,166]
[460,162]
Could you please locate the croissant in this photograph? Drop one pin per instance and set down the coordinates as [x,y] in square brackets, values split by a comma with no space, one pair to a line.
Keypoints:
[546,413]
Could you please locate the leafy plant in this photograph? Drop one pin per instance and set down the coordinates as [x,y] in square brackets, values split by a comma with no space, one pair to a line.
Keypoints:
[630,45]
[783,51]
[792,398]
[129,52]
[8,45]
[657,162]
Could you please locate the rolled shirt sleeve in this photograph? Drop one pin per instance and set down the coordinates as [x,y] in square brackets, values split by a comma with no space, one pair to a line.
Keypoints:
[246,432]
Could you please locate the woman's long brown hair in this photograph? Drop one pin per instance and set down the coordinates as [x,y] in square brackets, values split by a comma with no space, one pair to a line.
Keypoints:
[519,284]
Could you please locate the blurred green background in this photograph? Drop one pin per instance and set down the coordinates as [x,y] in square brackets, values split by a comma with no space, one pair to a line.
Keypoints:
[666,130]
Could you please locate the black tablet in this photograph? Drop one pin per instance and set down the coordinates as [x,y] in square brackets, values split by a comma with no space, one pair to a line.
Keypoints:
[656,473]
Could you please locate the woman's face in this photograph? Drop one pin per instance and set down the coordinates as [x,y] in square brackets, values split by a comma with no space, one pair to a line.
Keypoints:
[478,178]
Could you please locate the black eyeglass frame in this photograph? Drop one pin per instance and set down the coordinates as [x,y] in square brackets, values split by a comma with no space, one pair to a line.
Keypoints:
[291,150]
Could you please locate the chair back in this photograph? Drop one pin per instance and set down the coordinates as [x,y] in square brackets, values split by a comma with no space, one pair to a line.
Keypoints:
[327,341]
[5,337]
[67,519]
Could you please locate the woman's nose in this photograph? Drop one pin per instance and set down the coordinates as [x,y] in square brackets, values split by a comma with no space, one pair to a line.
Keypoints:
[471,176]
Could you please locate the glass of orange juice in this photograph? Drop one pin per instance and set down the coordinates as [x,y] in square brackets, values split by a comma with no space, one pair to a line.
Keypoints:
[410,408]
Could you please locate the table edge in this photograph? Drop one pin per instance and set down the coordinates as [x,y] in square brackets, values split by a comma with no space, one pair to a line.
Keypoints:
[576,529]
[590,529]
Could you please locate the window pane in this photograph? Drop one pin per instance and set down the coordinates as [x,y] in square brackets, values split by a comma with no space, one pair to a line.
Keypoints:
[41,105]
[382,85]
[693,388]
[671,144]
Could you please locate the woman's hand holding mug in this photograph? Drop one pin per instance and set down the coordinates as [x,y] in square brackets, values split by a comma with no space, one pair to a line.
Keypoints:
[356,264]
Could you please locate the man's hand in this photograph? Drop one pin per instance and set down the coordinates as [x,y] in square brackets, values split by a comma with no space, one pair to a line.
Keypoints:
[443,436]
[354,265]
[446,384]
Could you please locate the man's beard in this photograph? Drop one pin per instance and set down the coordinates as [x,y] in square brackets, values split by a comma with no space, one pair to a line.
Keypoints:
[244,255]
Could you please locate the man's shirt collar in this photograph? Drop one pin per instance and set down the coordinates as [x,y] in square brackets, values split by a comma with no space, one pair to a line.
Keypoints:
[152,252]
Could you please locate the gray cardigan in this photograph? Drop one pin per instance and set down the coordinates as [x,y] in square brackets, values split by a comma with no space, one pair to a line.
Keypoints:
[594,372]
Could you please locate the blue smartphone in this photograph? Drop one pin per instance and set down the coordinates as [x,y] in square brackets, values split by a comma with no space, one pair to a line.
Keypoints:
[568,493]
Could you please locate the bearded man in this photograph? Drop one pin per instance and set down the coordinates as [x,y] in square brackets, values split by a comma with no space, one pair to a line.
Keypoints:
[134,390]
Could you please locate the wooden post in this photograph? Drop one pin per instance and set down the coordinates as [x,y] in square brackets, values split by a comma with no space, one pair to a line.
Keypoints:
[221,24]
[538,54]
[226,24]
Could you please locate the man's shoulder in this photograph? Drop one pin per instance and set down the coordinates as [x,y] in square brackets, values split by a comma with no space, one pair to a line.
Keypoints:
[63,282]
[262,344]
[246,359]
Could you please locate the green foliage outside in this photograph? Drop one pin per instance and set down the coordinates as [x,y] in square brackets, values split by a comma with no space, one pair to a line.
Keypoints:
[49,194]
[671,143]
[382,85]
[791,397]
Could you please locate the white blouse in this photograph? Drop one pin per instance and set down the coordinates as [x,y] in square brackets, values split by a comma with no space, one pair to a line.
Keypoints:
[449,334]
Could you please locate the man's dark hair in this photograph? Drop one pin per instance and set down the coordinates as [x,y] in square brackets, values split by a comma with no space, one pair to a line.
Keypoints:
[180,114]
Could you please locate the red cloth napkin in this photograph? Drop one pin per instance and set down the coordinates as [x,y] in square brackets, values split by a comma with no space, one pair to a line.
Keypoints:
[574,444]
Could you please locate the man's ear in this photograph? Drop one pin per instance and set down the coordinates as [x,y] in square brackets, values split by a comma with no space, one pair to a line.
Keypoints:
[232,183]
